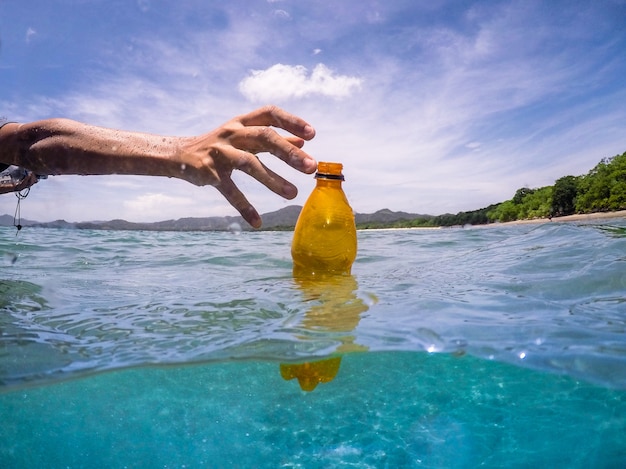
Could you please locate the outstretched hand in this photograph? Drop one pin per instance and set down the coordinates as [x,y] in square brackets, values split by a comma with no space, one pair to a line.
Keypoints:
[64,146]
[210,159]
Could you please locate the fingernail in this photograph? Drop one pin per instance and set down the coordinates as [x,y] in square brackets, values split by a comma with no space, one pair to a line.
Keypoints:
[252,217]
[310,164]
[290,191]
[309,132]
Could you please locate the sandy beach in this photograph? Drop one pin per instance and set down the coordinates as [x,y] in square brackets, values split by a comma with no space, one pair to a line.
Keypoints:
[567,218]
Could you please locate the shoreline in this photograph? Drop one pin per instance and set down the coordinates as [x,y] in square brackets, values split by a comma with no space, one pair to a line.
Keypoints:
[535,221]
[581,217]
[565,218]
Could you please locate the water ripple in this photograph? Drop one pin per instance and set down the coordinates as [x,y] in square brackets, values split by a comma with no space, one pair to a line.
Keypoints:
[547,296]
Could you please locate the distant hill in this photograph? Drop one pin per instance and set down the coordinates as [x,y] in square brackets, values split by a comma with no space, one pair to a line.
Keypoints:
[285,218]
[387,216]
[7,220]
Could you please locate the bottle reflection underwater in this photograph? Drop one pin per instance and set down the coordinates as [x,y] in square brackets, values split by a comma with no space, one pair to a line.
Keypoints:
[310,374]
[323,249]
[335,312]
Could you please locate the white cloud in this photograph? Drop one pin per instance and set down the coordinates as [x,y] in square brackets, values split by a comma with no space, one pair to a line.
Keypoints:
[281,82]
[282,14]
[150,206]
[30,33]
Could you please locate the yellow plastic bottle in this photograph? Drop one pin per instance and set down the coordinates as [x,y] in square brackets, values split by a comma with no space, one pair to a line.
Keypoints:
[324,245]
[324,239]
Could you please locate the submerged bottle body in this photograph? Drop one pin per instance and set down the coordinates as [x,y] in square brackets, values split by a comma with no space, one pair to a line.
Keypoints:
[324,240]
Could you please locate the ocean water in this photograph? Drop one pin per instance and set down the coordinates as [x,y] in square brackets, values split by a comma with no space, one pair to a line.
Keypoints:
[470,347]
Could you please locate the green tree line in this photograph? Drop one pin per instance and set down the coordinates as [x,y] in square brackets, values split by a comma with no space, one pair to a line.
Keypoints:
[603,189]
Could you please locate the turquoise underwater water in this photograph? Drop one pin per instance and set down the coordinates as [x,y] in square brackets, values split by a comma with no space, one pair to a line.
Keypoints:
[491,347]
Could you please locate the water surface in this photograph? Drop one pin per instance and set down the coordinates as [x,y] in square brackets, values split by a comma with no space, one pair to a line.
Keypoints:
[500,346]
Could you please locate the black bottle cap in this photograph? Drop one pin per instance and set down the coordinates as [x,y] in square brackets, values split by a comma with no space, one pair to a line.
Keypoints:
[336,177]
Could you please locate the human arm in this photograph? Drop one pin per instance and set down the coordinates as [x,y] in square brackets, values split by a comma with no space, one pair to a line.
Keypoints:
[62,146]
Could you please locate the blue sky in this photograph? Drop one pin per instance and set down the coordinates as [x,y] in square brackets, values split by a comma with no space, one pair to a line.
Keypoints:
[432,106]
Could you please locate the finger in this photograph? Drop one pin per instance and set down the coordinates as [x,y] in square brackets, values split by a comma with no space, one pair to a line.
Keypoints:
[295,141]
[277,117]
[234,196]
[249,164]
[259,139]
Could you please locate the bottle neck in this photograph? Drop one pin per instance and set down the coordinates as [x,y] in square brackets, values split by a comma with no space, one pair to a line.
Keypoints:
[328,183]
[329,179]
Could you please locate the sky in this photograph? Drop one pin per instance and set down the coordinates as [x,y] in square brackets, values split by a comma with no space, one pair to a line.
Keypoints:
[432,106]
